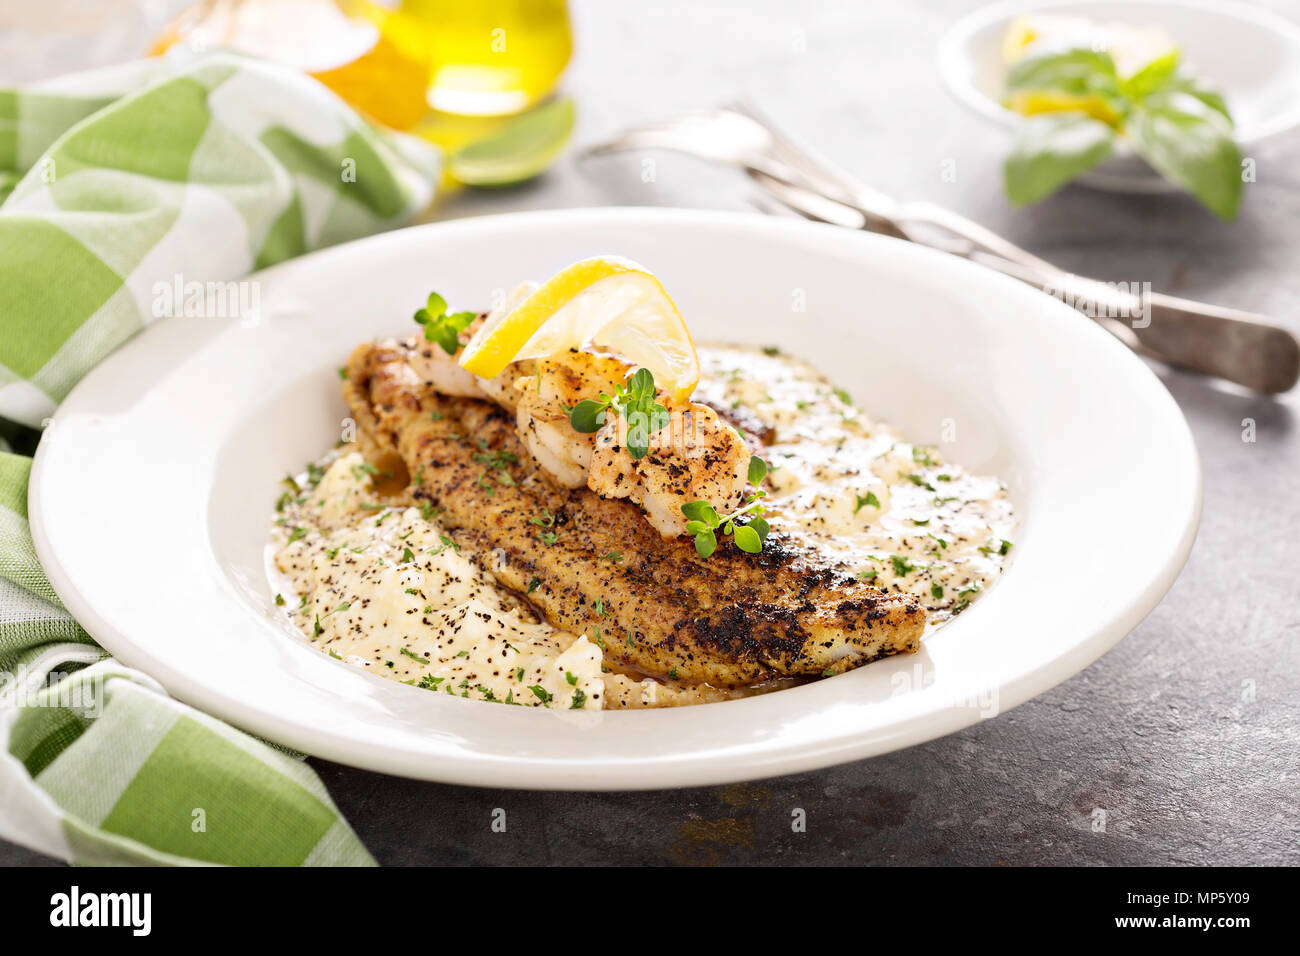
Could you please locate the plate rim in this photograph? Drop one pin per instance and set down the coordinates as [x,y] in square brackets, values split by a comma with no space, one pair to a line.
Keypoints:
[575,773]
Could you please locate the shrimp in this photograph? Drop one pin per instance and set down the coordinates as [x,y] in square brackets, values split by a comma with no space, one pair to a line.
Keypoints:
[696,457]
[541,415]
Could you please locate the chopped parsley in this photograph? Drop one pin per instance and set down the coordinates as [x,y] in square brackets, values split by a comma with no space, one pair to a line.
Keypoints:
[446,543]
[921,455]
[869,500]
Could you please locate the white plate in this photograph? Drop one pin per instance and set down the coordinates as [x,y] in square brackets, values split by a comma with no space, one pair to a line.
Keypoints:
[152,491]
[1250,54]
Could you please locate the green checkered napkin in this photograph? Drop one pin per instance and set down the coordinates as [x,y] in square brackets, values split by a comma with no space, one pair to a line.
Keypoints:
[112,181]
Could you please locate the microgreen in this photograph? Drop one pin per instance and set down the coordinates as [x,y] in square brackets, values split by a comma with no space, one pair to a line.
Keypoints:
[635,401]
[441,328]
[704,522]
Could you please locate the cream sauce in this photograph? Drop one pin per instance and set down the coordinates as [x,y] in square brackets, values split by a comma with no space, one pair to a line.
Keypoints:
[886,510]
[379,584]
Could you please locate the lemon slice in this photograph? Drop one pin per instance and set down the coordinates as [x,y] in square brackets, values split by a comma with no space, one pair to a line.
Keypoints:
[1033,102]
[607,300]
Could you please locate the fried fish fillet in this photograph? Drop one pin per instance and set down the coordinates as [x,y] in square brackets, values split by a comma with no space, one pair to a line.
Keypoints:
[594,565]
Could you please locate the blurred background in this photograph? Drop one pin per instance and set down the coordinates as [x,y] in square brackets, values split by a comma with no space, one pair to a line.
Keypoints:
[856,80]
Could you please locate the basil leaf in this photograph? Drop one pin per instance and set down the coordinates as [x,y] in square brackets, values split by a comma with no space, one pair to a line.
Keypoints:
[1154,76]
[747,539]
[1080,71]
[760,527]
[1052,149]
[757,470]
[436,305]
[1190,143]
[1182,82]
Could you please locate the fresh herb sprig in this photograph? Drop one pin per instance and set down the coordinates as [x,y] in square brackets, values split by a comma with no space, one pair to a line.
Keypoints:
[704,522]
[1171,118]
[635,401]
[441,328]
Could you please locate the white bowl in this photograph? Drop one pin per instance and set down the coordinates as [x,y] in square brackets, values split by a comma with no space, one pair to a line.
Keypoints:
[1250,54]
[152,491]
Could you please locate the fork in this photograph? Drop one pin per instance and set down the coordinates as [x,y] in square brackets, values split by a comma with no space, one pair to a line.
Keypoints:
[1238,346]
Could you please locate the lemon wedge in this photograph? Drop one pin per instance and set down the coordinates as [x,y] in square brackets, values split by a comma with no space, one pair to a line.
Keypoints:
[607,300]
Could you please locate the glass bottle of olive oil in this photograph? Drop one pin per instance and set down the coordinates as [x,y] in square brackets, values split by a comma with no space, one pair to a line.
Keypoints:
[342,43]
[486,57]
[394,59]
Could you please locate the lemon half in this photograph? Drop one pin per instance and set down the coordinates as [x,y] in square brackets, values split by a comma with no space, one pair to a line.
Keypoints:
[608,301]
